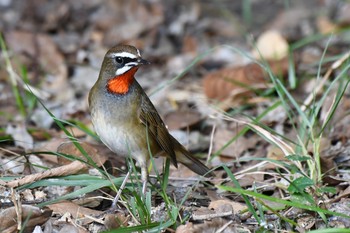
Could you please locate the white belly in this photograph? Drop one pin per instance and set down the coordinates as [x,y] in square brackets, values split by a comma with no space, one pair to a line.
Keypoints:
[121,141]
[116,138]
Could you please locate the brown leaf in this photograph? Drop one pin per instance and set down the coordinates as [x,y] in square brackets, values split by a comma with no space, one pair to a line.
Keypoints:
[343,16]
[340,120]
[36,216]
[325,26]
[305,223]
[68,227]
[342,194]
[241,81]
[236,148]
[251,178]
[144,18]
[77,212]
[181,119]
[181,172]
[187,228]
[341,206]
[70,149]
[213,225]
[20,136]
[275,153]
[288,22]
[51,145]
[190,44]
[41,48]
[236,206]
[115,221]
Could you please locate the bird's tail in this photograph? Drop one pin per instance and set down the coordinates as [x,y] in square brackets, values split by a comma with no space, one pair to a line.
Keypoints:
[185,157]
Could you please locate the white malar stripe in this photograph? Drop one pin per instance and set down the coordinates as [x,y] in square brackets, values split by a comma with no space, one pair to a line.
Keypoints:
[123,54]
[123,70]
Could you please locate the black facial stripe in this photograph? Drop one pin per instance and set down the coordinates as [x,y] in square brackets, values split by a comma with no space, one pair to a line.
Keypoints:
[128,59]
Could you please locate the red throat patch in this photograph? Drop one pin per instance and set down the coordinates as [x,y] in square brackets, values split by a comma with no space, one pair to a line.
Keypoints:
[120,84]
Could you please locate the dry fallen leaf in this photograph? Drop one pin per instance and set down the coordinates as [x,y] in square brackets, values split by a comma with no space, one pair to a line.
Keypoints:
[288,22]
[343,16]
[305,223]
[143,19]
[215,225]
[223,203]
[70,149]
[181,119]
[241,81]
[20,136]
[236,148]
[249,179]
[275,153]
[77,212]
[41,47]
[187,228]
[35,216]
[69,227]
[341,206]
[325,26]
[115,221]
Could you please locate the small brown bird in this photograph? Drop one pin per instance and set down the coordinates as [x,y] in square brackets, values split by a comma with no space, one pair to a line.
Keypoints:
[122,115]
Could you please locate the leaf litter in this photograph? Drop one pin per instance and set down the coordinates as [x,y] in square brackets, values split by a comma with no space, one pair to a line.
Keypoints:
[56,50]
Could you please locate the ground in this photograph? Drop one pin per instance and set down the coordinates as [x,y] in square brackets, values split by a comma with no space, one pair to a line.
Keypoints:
[256,89]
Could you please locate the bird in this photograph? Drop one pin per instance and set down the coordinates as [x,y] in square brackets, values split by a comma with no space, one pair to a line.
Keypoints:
[125,119]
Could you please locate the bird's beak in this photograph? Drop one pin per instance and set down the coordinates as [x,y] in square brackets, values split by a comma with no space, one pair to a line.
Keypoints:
[141,61]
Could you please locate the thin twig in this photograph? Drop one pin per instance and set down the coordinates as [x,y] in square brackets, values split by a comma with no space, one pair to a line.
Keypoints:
[211,142]
[199,217]
[69,169]
[18,207]
[221,229]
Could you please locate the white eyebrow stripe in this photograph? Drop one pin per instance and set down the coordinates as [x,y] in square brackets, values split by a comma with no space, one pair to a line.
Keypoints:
[138,52]
[123,54]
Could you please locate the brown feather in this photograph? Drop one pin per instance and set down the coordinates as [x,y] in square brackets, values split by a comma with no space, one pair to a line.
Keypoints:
[156,127]
[175,151]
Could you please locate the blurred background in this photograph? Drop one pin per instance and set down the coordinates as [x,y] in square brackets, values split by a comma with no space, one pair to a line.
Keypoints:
[60,44]
[203,54]
[206,57]
[194,47]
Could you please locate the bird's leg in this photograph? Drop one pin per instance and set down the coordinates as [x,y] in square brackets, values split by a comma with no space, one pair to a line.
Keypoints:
[144,178]
[122,186]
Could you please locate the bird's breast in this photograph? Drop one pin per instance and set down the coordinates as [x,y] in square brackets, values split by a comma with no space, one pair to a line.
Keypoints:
[116,121]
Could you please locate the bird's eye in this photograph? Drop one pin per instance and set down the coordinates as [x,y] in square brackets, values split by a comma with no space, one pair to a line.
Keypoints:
[119,60]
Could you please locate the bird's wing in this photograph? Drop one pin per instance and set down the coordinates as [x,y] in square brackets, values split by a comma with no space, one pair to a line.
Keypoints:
[156,128]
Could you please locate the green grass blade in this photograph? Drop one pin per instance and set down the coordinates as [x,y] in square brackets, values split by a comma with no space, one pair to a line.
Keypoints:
[281,201]
[92,187]
[246,200]
[331,230]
